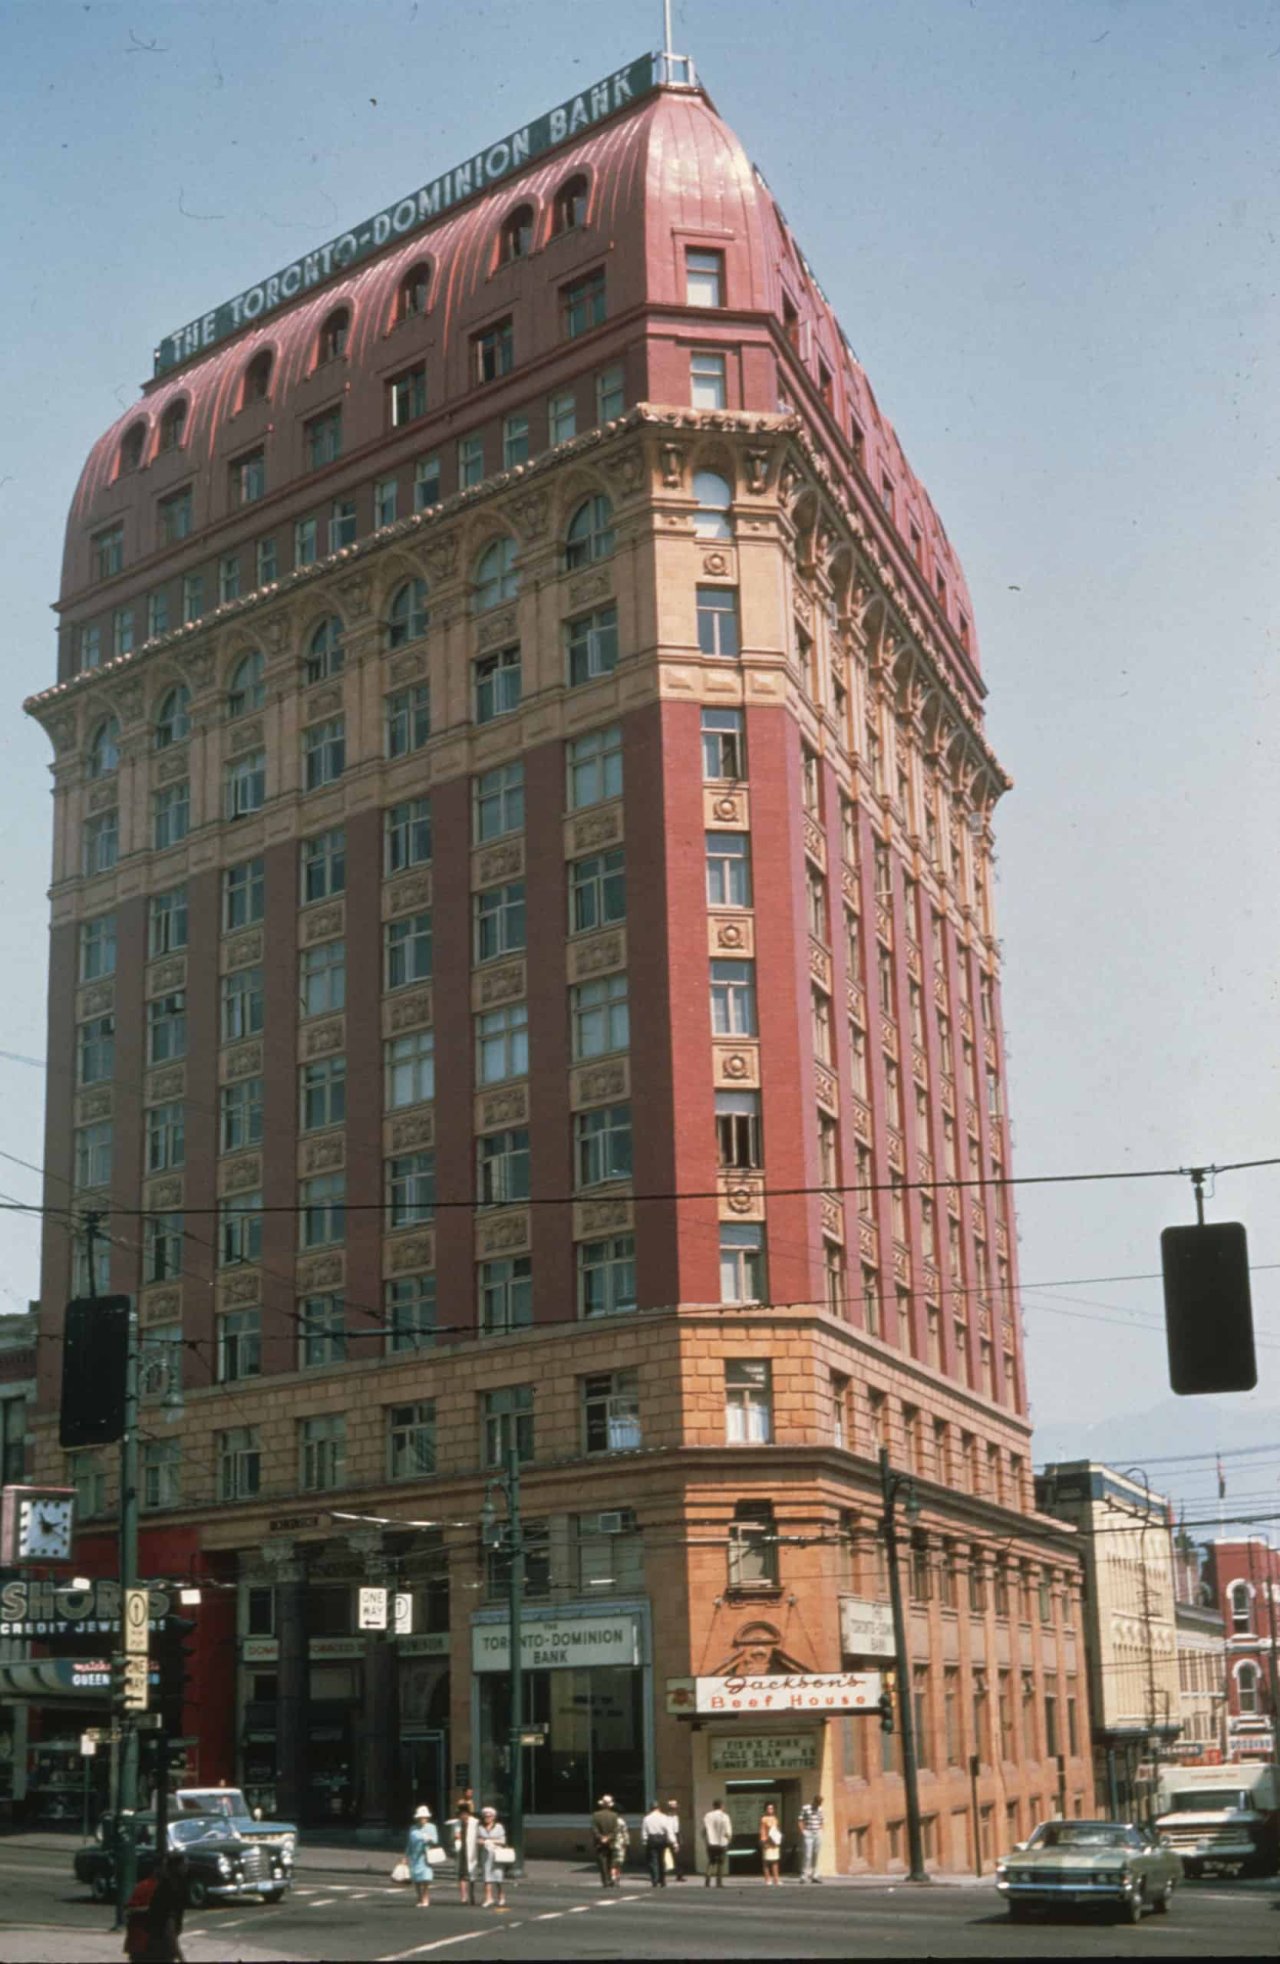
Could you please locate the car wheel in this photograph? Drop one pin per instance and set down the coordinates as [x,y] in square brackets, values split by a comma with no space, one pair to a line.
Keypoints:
[1136,1903]
[100,1888]
[273,1895]
[197,1892]
[1018,1912]
[1162,1899]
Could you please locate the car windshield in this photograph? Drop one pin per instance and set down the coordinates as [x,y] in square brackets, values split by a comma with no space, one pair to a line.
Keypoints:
[216,1800]
[1217,1800]
[1083,1834]
[184,1834]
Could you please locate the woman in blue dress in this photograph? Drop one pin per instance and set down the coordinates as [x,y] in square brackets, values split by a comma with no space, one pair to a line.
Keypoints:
[422,1836]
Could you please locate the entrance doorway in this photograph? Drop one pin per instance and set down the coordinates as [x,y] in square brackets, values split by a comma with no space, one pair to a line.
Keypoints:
[424,1772]
[745,1801]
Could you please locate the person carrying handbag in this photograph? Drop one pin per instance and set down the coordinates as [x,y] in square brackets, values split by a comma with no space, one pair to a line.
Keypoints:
[770,1846]
[656,1829]
[495,1857]
[423,1838]
[465,1850]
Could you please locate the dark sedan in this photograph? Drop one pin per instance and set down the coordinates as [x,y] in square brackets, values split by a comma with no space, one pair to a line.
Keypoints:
[221,1865]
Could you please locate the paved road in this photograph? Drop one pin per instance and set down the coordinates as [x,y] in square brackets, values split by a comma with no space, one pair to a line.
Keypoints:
[45,1916]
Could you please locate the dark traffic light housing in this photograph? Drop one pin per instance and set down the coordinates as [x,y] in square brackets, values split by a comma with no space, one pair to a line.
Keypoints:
[175,1656]
[886,1712]
[1207,1308]
[95,1352]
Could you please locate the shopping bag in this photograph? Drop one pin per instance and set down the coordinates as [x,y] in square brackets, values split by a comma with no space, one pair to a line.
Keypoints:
[668,1860]
[400,1873]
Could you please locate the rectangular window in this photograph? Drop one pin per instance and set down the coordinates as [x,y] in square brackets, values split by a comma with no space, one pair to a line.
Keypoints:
[122,631]
[322,1452]
[239,1345]
[171,814]
[240,1115]
[602,1145]
[192,597]
[583,304]
[593,645]
[611,1412]
[306,543]
[703,278]
[739,1143]
[497,684]
[607,1276]
[499,803]
[594,767]
[718,621]
[515,442]
[324,865]
[408,950]
[426,479]
[748,1401]
[742,1264]
[611,395]
[97,947]
[753,1546]
[248,476]
[408,718]
[108,553]
[101,843]
[166,1138]
[502,1167]
[91,646]
[707,380]
[240,1230]
[386,496]
[162,1247]
[508,1422]
[342,524]
[94,1150]
[733,999]
[322,1092]
[411,1312]
[323,1213]
[157,613]
[724,745]
[597,891]
[562,417]
[241,1004]
[167,1028]
[407,835]
[322,1331]
[175,514]
[96,1049]
[322,978]
[506,1295]
[324,753]
[410,1069]
[599,1017]
[411,1440]
[266,563]
[493,352]
[322,438]
[502,1043]
[407,396]
[246,787]
[239,1463]
[411,1190]
[228,578]
[499,922]
[728,869]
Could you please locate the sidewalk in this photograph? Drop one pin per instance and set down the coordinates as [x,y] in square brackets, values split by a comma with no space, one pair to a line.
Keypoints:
[39,1943]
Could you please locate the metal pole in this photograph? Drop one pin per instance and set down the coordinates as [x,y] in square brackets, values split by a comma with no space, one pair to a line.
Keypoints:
[906,1716]
[977,1817]
[126,1846]
[515,1594]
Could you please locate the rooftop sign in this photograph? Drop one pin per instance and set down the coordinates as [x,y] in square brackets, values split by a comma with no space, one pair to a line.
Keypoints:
[409,214]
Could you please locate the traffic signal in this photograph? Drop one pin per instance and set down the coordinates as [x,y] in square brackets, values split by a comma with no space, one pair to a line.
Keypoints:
[886,1712]
[175,1645]
[1207,1309]
[95,1352]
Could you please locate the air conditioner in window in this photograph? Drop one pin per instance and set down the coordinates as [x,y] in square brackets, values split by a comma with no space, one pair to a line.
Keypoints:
[616,1522]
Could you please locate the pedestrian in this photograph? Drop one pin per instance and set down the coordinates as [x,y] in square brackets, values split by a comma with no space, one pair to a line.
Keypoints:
[656,1829]
[154,1913]
[674,1865]
[464,1827]
[770,1845]
[491,1843]
[811,1838]
[604,1833]
[621,1843]
[417,1852]
[717,1832]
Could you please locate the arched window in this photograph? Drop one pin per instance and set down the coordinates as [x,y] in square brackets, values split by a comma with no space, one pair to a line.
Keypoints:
[714,496]
[571,205]
[173,718]
[1247,1686]
[1241,1622]
[104,748]
[172,424]
[496,576]
[132,445]
[257,378]
[325,655]
[516,240]
[332,344]
[415,291]
[246,690]
[407,615]
[590,534]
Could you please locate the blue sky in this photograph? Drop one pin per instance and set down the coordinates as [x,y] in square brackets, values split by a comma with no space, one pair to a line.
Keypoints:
[1050,231]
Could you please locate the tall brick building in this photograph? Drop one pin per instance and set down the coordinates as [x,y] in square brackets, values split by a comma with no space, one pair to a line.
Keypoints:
[522,918]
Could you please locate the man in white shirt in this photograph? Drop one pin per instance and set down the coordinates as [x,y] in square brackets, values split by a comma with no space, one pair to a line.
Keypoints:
[811,1824]
[656,1828]
[717,1832]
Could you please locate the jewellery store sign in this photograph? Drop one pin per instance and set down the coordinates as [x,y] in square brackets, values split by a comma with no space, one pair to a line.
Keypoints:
[546,1645]
[43,1609]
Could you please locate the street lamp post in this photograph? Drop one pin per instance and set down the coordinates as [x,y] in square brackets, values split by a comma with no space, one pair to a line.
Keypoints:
[509,1483]
[891,1485]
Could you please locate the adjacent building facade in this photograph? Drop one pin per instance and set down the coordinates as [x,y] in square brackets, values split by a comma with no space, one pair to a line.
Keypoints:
[1246,1577]
[1202,1656]
[522,916]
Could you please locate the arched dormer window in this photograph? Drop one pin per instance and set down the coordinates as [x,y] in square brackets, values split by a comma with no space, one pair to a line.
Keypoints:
[173,425]
[714,496]
[332,343]
[407,615]
[245,690]
[132,445]
[257,378]
[104,748]
[1247,1686]
[496,578]
[571,205]
[415,291]
[516,238]
[325,653]
[590,533]
[173,718]
[1238,1597]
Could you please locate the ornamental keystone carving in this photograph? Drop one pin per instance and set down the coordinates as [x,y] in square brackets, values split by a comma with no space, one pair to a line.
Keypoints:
[324,1039]
[97,998]
[170,974]
[530,513]
[246,736]
[498,1234]
[736,1066]
[589,586]
[410,1253]
[789,480]
[405,667]
[625,471]
[164,1195]
[274,633]
[672,455]
[245,1061]
[503,1108]
[319,1272]
[494,863]
[441,558]
[727,807]
[323,702]
[499,985]
[172,768]
[242,1175]
[324,1155]
[244,950]
[199,668]
[407,1133]
[130,700]
[497,629]
[408,894]
[356,595]
[757,471]
[166,1084]
[245,1286]
[736,933]
[322,923]
[410,1012]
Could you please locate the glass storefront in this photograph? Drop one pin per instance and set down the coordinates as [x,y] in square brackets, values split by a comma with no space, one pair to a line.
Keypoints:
[593,1738]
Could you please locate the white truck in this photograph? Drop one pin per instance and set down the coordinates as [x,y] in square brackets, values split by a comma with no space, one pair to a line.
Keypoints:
[1222,1817]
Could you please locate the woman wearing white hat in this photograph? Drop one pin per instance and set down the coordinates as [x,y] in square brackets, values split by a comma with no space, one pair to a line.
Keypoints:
[422,1838]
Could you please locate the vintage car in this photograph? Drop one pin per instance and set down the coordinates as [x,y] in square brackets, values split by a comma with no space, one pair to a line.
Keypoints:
[221,1865]
[1074,1864]
[280,1836]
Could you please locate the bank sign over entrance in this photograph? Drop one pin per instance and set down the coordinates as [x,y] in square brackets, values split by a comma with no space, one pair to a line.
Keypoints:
[547,1645]
[409,214]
